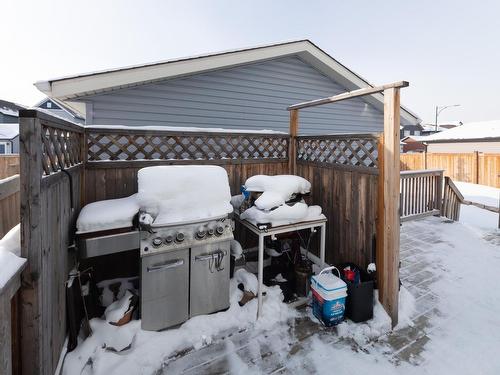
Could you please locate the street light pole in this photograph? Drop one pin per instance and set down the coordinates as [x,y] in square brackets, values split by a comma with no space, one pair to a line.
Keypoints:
[441,109]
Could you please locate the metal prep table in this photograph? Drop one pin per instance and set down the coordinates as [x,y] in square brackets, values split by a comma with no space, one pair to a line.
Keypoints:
[261,233]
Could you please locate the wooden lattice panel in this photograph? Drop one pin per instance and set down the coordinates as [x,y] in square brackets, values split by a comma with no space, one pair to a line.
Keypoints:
[355,150]
[61,149]
[185,146]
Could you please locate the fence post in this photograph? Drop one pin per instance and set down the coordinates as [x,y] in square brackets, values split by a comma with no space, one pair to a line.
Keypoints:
[388,211]
[294,127]
[476,164]
[30,150]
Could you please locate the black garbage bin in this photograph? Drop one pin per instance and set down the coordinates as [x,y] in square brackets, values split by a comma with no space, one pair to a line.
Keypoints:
[359,302]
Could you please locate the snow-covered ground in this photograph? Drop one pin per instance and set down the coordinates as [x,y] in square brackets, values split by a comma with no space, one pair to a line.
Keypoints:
[449,313]
[476,218]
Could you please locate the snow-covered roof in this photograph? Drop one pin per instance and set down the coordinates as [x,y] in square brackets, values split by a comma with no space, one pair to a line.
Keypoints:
[79,85]
[483,130]
[9,131]
[418,138]
[10,108]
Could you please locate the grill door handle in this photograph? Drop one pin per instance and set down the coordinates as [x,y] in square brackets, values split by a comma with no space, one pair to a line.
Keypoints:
[201,258]
[165,266]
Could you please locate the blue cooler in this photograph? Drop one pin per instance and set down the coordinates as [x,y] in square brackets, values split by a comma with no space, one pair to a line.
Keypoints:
[329,294]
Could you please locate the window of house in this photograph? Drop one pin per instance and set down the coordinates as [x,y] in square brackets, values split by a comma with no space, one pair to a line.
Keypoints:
[49,105]
[417,132]
[3,147]
[407,133]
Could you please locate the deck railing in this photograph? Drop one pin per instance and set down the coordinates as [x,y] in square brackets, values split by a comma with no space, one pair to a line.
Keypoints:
[452,200]
[421,193]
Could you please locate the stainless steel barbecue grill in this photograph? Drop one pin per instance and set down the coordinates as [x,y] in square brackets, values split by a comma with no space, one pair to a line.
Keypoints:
[184,271]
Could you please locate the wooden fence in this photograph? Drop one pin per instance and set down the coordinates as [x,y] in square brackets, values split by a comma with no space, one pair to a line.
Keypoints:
[474,167]
[51,171]
[343,174]
[9,165]
[9,204]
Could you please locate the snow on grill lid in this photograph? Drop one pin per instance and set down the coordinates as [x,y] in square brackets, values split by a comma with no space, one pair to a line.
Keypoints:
[179,194]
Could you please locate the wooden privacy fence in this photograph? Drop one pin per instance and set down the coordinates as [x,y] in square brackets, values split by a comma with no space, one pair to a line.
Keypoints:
[51,178]
[343,174]
[474,167]
[9,204]
[421,193]
[9,165]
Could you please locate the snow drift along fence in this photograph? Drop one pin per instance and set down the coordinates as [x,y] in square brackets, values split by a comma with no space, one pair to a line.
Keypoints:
[475,167]
[343,173]
[51,177]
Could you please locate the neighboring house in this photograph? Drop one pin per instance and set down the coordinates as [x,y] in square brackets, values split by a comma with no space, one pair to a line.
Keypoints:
[9,138]
[241,89]
[60,109]
[407,130]
[428,129]
[414,143]
[474,136]
[9,112]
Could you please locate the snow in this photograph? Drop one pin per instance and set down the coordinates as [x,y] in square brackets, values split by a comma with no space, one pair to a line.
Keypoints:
[9,131]
[483,194]
[181,129]
[475,218]
[119,308]
[11,241]
[249,281]
[107,214]
[276,189]
[10,261]
[471,130]
[283,215]
[176,194]
[9,111]
[149,349]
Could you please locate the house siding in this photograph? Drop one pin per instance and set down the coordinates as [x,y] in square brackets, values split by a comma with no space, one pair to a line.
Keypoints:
[457,147]
[253,96]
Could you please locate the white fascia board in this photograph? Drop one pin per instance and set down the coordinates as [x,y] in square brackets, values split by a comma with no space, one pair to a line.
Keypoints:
[73,87]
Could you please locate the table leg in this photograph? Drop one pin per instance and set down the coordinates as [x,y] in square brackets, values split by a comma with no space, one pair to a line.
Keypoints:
[322,245]
[261,275]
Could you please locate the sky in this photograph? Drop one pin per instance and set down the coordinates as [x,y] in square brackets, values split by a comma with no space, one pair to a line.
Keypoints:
[447,50]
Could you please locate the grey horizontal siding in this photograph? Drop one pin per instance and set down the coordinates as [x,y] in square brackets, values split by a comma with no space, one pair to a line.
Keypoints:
[253,96]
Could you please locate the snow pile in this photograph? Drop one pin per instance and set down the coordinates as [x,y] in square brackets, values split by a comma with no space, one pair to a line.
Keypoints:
[270,206]
[10,261]
[276,190]
[149,350]
[108,214]
[119,308]
[478,219]
[11,242]
[176,194]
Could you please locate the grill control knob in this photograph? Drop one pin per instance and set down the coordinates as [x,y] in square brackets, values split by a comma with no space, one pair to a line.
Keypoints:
[169,239]
[179,237]
[201,234]
[219,230]
[157,242]
[211,232]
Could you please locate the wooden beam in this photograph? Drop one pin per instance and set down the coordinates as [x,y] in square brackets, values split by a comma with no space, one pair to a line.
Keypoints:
[30,150]
[388,206]
[349,95]
[294,129]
